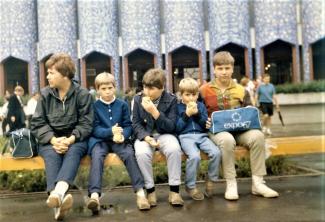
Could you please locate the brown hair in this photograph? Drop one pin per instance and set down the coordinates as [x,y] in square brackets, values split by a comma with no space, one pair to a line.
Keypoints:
[104,78]
[244,81]
[63,63]
[154,78]
[188,85]
[265,75]
[223,58]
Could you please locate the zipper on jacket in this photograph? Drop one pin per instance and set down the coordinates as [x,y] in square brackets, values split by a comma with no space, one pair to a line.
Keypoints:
[63,103]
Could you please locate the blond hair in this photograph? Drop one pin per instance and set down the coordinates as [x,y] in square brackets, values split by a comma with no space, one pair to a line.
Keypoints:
[188,85]
[19,88]
[104,78]
[223,58]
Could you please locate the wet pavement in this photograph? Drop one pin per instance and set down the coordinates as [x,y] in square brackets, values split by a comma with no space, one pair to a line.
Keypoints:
[302,198]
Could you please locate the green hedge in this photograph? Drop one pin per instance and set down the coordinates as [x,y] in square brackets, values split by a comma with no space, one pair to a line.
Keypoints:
[32,181]
[312,86]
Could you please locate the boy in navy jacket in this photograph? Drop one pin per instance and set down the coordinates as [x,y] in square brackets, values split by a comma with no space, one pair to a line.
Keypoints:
[154,123]
[191,118]
[112,130]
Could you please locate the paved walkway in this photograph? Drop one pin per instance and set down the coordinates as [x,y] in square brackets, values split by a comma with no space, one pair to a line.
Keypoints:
[301,199]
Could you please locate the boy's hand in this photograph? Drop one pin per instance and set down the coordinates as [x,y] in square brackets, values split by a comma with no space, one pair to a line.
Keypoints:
[117,129]
[191,109]
[58,145]
[13,119]
[152,142]
[118,138]
[208,123]
[117,134]
[148,106]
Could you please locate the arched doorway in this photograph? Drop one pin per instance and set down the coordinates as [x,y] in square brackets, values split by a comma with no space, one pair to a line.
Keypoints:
[15,72]
[43,71]
[96,63]
[138,63]
[318,52]
[278,61]
[184,62]
[238,52]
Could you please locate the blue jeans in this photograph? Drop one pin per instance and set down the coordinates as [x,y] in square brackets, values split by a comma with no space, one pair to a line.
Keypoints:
[191,145]
[125,152]
[62,167]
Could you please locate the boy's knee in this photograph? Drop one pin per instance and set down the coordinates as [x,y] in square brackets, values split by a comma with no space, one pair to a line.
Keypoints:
[195,157]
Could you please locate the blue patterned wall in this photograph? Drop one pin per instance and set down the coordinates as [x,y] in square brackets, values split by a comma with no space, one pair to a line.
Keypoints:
[18,34]
[275,20]
[98,29]
[312,29]
[184,26]
[140,27]
[228,23]
[57,28]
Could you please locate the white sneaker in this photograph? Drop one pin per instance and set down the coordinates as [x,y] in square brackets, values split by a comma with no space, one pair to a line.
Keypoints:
[66,205]
[231,190]
[268,131]
[259,188]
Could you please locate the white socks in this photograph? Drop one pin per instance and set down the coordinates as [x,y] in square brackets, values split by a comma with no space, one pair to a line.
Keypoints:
[61,188]
[140,193]
[94,196]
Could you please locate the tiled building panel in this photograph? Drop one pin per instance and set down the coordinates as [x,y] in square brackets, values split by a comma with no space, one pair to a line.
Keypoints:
[312,28]
[18,29]
[5,29]
[140,26]
[228,23]
[57,27]
[184,26]
[98,28]
[274,20]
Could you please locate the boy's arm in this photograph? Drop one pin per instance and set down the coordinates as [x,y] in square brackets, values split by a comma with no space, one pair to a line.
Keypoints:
[39,126]
[202,116]
[182,119]
[166,122]
[86,116]
[126,123]
[139,131]
[275,99]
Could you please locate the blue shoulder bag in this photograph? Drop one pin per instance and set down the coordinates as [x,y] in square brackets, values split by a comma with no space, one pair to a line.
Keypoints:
[233,120]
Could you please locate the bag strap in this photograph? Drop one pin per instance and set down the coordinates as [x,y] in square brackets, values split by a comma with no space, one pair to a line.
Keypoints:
[5,147]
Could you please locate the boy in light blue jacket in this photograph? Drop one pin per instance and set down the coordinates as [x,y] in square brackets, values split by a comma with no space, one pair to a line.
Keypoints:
[192,133]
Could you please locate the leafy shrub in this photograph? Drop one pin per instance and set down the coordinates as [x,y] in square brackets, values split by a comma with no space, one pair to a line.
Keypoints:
[2,100]
[31,181]
[24,180]
[312,86]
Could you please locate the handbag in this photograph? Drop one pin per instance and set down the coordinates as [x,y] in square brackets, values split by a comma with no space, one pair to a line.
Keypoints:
[23,144]
[232,120]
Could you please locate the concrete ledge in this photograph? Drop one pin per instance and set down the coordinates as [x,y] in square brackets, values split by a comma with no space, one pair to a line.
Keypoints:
[283,146]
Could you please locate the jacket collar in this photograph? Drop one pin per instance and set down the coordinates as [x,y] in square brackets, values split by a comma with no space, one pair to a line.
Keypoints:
[73,87]
[214,84]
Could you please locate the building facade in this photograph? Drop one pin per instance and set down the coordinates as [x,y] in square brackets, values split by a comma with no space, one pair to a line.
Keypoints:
[127,37]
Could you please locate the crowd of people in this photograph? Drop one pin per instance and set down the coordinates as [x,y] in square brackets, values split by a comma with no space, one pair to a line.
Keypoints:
[70,123]
[13,112]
